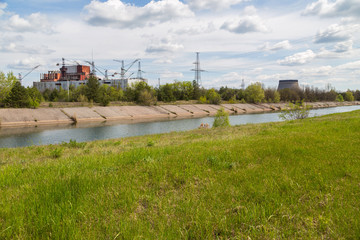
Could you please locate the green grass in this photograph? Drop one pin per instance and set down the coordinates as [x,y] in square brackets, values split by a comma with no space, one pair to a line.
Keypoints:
[288,180]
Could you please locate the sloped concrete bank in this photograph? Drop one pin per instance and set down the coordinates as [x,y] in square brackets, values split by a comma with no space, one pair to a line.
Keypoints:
[54,116]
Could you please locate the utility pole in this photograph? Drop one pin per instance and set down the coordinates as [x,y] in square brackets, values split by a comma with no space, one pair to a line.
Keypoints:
[197,69]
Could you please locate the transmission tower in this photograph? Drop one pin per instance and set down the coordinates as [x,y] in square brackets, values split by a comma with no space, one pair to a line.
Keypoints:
[197,70]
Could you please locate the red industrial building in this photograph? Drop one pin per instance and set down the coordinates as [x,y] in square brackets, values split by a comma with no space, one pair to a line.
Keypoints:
[67,73]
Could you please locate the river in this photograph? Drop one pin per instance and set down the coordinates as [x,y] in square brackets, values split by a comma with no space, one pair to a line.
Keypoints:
[45,135]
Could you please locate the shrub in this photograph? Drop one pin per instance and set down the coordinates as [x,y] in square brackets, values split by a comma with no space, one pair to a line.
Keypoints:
[296,111]
[221,118]
[146,98]
[339,98]
[202,100]
[56,153]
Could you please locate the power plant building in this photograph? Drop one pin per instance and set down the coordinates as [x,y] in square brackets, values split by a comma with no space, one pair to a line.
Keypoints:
[291,84]
[77,75]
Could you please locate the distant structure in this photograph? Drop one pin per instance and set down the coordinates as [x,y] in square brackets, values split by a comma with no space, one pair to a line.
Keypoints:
[77,75]
[291,84]
[197,69]
[243,84]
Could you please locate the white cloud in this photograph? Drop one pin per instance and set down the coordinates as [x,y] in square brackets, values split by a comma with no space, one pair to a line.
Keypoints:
[250,22]
[278,76]
[213,4]
[2,7]
[344,46]
[116,14]
[27,63]
[277,46]
[16,48]
[319,71]
[350,66]
[298,58]
[231,79]
[163,46]
[197,29]
[337,8]
[171,75]
[334,33]
[36,22]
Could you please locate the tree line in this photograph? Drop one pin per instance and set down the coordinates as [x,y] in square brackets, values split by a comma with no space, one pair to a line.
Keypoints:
[12,94]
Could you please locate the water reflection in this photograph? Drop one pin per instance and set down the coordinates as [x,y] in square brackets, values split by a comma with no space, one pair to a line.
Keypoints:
[20,137]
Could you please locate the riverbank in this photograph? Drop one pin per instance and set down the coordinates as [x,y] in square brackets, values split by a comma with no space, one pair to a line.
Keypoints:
[54,116]
[285,180]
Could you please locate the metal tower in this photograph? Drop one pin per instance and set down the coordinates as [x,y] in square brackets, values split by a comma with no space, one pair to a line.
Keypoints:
[139,73]
[197,70]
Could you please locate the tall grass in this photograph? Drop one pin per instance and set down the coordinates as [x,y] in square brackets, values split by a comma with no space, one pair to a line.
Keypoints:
[295,179]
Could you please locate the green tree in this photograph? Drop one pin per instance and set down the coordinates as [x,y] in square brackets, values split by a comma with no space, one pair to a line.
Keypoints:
[35,97]
[349,96]
[339,98]
[166,93]
[272,95]
[213,97]
[6,84]
[254,93]
[92,89]
[18,97]
[146,98]
[221,118]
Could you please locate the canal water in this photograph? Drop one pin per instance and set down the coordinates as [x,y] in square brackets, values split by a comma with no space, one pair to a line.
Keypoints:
[44,135]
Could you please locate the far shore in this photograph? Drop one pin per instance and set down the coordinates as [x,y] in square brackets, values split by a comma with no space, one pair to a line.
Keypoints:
[12,117]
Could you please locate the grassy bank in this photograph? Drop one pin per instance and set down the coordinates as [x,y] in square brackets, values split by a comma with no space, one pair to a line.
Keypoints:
[297,179]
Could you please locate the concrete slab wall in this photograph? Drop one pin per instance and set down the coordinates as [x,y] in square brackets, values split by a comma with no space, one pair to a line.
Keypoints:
[10,117]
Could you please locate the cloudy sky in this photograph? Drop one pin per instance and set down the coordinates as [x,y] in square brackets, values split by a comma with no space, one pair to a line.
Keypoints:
[314,41]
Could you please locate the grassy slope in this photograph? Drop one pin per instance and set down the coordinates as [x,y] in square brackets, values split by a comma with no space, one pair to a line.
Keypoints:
[298,179]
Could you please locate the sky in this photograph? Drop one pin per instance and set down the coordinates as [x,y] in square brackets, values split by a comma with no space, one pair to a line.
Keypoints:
[314,41]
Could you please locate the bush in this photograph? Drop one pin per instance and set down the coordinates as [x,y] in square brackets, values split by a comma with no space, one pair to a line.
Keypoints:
[296,111]
[339,98]
[202,100]
[146,98]
[221,118]
[213,97]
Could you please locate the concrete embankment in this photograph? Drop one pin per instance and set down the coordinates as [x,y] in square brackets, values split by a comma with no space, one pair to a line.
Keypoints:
[31,117]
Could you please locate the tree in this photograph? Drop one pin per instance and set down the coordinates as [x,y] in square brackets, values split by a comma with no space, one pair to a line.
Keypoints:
[35,97]
[92,89]
[18,97]
[221,118]
[349,96]
[272,95]
[213,97]
[146,98]
[6,84]
[339,98]
[254,93]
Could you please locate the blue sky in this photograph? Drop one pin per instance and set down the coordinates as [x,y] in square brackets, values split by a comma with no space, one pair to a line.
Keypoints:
[314,41]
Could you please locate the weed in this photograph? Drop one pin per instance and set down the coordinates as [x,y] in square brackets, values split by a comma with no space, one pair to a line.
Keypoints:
[56,153]
[150,143]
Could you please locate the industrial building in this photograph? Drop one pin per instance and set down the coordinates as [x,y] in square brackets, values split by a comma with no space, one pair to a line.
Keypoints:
[77,75]
[291,84]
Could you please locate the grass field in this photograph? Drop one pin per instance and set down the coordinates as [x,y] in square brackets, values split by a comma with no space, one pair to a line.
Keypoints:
[287,180]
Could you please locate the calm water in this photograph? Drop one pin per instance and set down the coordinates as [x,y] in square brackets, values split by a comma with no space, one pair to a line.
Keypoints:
[21,137]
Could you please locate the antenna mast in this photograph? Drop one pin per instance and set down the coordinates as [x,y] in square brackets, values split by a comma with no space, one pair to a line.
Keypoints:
[197,69]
